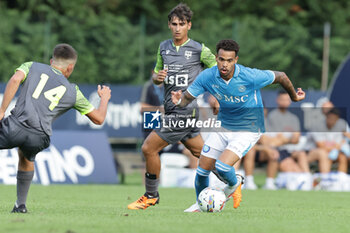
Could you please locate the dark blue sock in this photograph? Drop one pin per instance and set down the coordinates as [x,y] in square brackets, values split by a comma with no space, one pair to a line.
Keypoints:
[202,180]
[227,172]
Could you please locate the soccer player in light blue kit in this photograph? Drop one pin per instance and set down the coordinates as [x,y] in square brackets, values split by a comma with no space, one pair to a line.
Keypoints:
[241,114]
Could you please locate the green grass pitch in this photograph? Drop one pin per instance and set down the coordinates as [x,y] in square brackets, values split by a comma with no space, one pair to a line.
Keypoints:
[102,208]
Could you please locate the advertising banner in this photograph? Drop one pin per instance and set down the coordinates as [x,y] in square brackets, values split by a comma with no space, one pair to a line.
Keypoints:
[124,119]
[74,157]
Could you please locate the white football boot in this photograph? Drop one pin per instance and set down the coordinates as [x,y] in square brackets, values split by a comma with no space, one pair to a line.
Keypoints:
[193,208]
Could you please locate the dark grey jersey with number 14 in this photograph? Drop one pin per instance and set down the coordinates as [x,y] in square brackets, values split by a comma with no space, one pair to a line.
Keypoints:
[46,94]
[183,63]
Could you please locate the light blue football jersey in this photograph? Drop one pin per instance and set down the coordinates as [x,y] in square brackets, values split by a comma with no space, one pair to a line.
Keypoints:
[241,107]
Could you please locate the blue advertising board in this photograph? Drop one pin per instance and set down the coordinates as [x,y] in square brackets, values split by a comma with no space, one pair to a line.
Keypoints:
[123,117]
[74,157]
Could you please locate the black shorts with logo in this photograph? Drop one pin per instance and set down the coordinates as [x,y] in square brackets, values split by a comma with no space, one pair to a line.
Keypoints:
[29,141]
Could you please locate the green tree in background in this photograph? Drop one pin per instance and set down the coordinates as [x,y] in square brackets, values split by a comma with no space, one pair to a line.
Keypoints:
[117,40]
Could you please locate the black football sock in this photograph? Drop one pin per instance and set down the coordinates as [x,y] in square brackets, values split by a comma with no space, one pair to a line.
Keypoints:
[152,184]
[24,179]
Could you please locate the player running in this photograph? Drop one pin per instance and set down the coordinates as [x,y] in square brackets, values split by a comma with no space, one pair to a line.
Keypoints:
[241,114]
[179,61]
[46,93]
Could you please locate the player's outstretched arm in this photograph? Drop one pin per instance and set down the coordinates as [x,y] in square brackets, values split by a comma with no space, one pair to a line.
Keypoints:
[98,115]
[10,91]
[181,99]
[284,81]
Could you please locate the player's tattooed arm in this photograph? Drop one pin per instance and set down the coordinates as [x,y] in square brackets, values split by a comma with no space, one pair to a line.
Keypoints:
[181,99]
[282,79]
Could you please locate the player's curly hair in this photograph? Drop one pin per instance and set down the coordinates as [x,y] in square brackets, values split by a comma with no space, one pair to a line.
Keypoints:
[182,11]
[228,45]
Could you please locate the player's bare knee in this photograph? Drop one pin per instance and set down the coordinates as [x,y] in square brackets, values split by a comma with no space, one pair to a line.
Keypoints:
[145,149]
[148,150]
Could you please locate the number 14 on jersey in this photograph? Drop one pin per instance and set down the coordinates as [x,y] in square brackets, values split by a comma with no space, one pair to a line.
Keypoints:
[53,95]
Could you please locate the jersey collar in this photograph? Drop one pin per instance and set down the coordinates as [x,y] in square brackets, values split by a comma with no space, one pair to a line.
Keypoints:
[178,47]
[56,70]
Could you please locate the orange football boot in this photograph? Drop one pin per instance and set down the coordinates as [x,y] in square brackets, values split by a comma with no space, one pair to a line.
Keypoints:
[143,202]
[237,196]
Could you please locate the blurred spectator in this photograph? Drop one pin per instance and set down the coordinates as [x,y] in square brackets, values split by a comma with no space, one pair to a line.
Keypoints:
[317,132]
[262,152]
[347,146]
[286,126]
[331,143]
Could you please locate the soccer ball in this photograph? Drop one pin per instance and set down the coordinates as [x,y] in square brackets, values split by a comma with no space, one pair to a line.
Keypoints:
[211,200]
